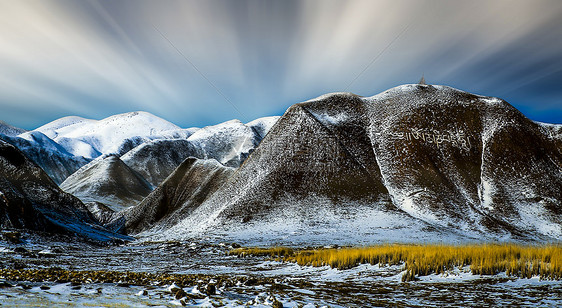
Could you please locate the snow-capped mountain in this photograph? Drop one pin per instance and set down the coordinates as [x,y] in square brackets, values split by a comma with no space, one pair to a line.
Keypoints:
[113,135]
[262,125]
[109,181]
[420,160]
[229,142]
[29,199]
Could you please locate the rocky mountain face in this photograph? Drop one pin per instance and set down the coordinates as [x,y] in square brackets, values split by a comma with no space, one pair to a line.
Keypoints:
[107,180]
[230,143]
[156,160]
[420,159]
[185,189]
[29,199]
[49,155]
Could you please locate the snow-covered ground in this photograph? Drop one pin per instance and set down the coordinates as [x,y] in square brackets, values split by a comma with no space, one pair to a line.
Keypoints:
[249,281]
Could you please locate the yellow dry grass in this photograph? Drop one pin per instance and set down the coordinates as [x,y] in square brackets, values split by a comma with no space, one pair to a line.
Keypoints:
[270,252]
[523,261]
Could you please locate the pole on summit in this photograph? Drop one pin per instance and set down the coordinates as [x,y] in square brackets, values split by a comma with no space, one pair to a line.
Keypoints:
[422,81]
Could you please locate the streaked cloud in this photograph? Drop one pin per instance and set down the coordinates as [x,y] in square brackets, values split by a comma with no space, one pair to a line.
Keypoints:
[98,58]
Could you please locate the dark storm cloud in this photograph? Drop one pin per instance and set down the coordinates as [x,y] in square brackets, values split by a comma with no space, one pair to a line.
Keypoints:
[98,58]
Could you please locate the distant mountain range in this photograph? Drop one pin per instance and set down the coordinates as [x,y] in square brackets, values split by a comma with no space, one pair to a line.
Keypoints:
[114,163]
[65,145]
[417,162]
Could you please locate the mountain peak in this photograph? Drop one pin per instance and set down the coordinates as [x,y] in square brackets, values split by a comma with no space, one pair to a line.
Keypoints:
[108,180]
[418,155]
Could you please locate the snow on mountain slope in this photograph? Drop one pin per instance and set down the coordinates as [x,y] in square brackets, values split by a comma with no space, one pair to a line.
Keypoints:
[229,142]
[52,129]
[191,183]
[156,160]
[262,125]
[29,199]
[109,135]
[49,155]
[109,181]
[447,162]
[554,131]
[78,147]
[43,141]
[9,130]
[177,134]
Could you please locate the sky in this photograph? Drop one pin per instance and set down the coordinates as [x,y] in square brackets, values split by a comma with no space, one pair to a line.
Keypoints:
[198,63]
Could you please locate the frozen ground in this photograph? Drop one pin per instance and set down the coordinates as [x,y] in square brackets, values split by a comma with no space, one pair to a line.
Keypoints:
[254,281]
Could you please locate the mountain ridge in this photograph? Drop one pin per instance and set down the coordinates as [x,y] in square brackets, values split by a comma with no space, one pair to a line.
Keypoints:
[30,200]
[415,161]
[419,150]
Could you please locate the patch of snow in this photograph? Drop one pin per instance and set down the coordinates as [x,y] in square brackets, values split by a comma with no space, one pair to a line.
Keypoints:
[486,190]
[328,95]
[331,119]
[263,125]
[230,141]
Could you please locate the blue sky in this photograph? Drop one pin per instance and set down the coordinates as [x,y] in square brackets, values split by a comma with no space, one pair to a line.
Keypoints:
[98,58]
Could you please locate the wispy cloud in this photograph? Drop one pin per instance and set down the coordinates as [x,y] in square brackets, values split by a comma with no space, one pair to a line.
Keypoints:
[97,58]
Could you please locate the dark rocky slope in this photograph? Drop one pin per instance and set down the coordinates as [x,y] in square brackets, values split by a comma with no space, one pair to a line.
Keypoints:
[156,160]
[109,181]
[29,199]
[185,189]
[51,157]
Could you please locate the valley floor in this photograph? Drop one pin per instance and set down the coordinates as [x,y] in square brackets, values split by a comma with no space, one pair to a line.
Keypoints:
[203,273]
